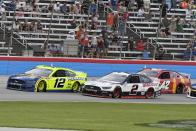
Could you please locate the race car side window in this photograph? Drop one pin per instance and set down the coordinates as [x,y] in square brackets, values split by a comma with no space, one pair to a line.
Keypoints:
[145,79]
[133,79]
[165,75]
[70,74]
[59,73]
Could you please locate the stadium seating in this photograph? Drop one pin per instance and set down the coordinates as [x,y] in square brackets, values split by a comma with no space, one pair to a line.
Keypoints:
[174,45]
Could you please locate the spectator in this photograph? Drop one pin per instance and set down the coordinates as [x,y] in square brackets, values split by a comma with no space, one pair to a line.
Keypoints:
[94,22]
[161,33]
[165,22]
[184,4]
[140,12]
[188,51]
[63,8]
[83,47]
[71,36]
[50,8]
[115,21]
[131,44]
[57,7]
[3,13]
[16,26]
[167,32]
[113,3]
[73,24]
[92,8]
[100,47]
[172,26]
[147,5]
[168,3]
[179,25]
[140,4]
[80,33]
[93,46]
[148,16]
[140,45]
[164,10]
[110,20]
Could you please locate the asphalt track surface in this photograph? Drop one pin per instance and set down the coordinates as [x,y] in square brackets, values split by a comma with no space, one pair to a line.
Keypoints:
[13,95]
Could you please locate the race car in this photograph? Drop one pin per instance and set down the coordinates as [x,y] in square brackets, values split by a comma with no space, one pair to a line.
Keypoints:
[191,93]
[171,82]
[122,85]
[47,78]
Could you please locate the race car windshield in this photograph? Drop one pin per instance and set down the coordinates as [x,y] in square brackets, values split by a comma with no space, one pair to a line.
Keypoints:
[149,73]
[39,72]
[117,78]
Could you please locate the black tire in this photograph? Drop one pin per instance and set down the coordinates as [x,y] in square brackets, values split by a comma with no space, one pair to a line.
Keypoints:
[41,86]
[180,89]
[116,93]
[150,93]
[75,87]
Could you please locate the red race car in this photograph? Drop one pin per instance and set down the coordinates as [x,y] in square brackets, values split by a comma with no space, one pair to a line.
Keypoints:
[171,82]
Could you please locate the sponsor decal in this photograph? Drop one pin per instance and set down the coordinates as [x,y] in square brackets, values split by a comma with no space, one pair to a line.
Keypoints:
[76,78]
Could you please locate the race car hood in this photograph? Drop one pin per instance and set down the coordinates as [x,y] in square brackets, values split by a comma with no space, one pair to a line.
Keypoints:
[100,83]
[193,86]
[24,77]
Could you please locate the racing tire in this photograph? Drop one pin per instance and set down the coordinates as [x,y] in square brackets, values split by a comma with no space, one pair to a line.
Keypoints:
[116,93]
[150,93]
[180,89]
[41,86]
[75,87]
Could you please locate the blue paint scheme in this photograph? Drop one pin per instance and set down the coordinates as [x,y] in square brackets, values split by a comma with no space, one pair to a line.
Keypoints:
[26,82]
[93,69]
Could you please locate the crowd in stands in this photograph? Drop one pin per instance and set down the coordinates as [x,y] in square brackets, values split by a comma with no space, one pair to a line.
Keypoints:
[98,45]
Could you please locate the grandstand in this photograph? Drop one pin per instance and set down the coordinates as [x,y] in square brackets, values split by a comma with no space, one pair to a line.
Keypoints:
[44,26]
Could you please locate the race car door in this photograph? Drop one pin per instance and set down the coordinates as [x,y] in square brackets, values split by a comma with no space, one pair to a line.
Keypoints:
[132,85]
[166,83]
[58,81]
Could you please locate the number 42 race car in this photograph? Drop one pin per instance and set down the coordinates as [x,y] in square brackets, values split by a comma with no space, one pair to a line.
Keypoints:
[47,78]
[171,82]
[121,84]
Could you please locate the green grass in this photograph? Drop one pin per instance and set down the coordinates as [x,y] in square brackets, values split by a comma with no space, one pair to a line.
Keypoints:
[92,116]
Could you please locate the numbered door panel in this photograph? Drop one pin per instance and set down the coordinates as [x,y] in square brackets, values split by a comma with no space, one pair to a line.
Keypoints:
[58,81]
[133,85]
[166,83]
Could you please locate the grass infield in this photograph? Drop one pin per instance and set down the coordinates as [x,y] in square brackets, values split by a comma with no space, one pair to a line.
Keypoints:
[92,116]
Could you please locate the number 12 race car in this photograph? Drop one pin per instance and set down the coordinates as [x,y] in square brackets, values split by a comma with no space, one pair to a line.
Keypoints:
[47,78]
[120,84]
[170,81]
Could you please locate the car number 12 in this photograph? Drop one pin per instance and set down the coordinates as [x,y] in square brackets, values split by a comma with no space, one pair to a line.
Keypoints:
[59,83]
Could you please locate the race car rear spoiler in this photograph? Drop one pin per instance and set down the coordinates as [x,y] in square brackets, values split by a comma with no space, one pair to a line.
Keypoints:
[186,75]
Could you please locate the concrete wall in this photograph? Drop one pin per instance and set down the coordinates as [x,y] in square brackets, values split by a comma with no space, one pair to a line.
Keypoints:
[94,67]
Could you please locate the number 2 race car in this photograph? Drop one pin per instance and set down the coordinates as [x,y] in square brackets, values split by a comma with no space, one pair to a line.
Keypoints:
[170,81]
[120,84]
[47,78]
[192,91]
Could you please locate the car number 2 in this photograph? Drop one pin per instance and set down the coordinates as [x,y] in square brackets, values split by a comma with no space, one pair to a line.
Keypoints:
[134,90]
[59,83]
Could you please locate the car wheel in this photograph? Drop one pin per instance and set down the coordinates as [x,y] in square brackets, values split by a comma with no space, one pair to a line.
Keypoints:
[41,86]
[150,93]
[75,87]
[180,89]
[116,93]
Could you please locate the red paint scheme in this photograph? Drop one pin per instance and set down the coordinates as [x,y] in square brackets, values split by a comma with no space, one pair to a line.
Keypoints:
[170,81]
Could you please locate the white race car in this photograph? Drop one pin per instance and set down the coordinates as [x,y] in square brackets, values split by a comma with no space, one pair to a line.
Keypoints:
[121,84]
[191,93]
